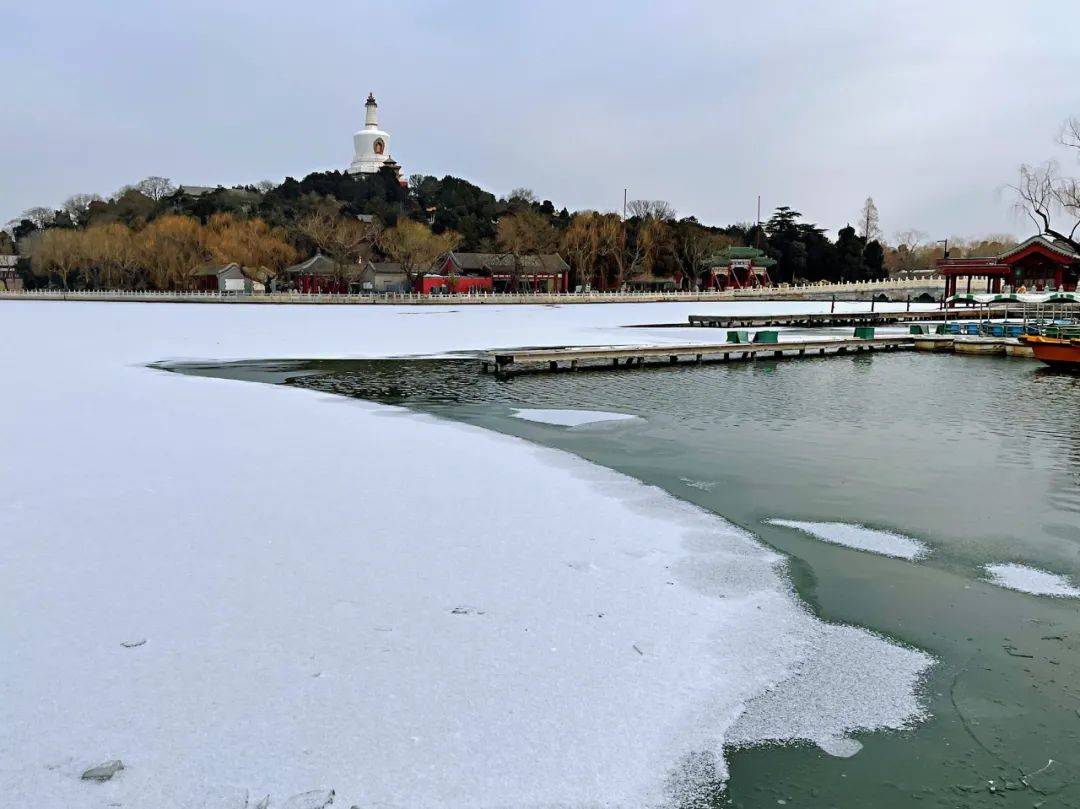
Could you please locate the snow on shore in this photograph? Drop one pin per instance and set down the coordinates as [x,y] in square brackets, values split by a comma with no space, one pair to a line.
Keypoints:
[335,594]
[873,540]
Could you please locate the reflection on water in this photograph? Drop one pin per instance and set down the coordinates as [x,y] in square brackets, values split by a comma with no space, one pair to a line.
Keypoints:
[979,458]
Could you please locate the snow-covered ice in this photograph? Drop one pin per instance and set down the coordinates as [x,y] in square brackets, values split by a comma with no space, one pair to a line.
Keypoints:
[570,418]
[884,543]
[341,595]
[1031,580]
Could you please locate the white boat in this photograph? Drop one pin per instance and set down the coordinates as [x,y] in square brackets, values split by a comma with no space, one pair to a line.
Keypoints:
[934,342]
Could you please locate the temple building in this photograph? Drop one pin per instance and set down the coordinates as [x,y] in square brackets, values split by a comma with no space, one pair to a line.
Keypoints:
[371,145]
[495,272]
[1036,265]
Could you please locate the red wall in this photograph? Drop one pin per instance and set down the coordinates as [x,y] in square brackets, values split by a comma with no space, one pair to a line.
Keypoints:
[461,283]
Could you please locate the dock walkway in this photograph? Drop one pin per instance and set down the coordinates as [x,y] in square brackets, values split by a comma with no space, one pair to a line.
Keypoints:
[825,319]
[509,362]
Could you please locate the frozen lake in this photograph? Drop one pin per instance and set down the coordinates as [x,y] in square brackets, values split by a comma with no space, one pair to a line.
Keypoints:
[329,599]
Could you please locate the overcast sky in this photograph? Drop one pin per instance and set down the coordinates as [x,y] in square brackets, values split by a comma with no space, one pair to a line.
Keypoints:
[927,106]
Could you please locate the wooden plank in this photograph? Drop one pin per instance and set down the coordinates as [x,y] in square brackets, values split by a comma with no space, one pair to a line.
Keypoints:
[836,318]
[504,362]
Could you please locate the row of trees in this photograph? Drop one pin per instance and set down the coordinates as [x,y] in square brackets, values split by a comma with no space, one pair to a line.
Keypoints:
[167,252]
[348,217]
[164,254]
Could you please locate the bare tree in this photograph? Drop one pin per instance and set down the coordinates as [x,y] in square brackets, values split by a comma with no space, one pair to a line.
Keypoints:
[59,252]
[868,221]
[40,216]
[263,186]
[909,250]
[415,247]
[155,187]
[524,195]
[524,233]
[1049,198]
[693,246]
[77,206]
[650,209]
[345,240]
[580,242]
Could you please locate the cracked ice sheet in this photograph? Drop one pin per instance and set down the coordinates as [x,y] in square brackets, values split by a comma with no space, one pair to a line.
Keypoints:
[1032,580]
[859,537]
[303,611]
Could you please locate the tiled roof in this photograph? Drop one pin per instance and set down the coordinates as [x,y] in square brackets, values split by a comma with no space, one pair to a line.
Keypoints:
[548,262]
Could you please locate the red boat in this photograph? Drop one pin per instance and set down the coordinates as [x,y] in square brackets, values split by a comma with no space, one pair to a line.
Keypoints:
[1056,351]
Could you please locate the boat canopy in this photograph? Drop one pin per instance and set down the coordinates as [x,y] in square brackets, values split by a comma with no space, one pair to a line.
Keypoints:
[1029,297]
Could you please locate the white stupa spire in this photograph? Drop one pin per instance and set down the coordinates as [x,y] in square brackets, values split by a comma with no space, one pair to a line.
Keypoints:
[371,113]
[371,145]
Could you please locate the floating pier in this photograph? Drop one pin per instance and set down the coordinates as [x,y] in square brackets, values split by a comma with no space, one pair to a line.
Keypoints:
[826,319]
[507,363]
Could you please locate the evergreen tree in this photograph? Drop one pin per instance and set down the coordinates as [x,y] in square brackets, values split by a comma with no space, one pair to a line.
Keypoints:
[874,259]
[849,250]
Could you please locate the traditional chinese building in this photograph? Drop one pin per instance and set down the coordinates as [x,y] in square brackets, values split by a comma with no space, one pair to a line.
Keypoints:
[319,274]
[738,267]
[10,280]
[1037,264]
[462,272]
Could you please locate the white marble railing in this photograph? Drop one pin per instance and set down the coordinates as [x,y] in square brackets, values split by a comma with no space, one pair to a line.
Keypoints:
[896,285]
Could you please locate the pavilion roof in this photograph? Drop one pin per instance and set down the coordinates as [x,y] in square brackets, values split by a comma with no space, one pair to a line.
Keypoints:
[318,264]
[1052,245]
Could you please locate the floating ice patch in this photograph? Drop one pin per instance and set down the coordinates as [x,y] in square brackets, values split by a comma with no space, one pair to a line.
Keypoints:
[704,485]
[885,543]
[570,418]
[848,681]
[1031,580]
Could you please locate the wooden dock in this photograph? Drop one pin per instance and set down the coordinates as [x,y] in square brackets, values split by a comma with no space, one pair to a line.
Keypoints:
[826,319]
[507,363]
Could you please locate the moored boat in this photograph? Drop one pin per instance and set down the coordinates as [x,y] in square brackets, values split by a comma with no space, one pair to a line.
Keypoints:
[1014,348]
[1061,352]
[933,342]
[979,345]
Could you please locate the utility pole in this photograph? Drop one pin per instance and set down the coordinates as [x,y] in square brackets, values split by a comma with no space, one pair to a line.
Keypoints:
[624,203]
[757,230]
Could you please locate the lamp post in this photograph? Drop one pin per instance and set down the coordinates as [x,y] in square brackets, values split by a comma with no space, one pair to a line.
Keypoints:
[945,255]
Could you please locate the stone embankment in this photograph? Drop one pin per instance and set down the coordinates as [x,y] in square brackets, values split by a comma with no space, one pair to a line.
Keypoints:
[896,290]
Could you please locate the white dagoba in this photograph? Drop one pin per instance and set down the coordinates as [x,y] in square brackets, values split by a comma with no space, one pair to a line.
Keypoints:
[371,144]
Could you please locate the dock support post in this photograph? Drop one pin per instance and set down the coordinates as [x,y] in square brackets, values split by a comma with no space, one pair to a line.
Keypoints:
[573,365]
[698,358]
[672,359]
[553,366]
[615,361]
[483,367]
[778,353]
